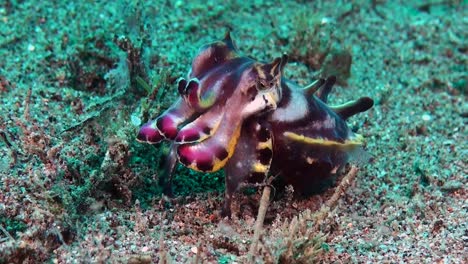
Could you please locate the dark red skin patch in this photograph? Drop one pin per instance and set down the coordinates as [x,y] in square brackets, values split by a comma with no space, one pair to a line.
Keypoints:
[204,166]
[202,157]
[192,85]
[183,158]
[181,86]
[206,130]
[167,127]
[221,153]
[187,135]
[149,134]
[192,93]
[192,98]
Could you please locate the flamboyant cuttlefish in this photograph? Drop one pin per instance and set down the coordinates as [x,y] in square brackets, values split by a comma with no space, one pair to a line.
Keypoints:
[241,115]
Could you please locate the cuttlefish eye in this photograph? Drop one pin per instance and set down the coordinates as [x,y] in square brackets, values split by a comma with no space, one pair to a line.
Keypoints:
[260,85]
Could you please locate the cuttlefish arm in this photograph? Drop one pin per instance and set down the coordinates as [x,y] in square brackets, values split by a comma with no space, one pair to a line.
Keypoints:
[201,128]
[195,96]
[212,153]
[165,126]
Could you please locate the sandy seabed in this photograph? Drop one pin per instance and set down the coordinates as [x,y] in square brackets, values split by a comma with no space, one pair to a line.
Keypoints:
[77,188]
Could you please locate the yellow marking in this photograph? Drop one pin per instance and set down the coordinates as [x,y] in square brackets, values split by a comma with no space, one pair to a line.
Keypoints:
[265,145]
[273,69]
[258,167]
[233,142]
[230,147]
[218,164]
[208,100]
[213,129]
[194,167]
[273,98]
[276,62]
[261,73]
[202,136]
[347,145]
[216,125]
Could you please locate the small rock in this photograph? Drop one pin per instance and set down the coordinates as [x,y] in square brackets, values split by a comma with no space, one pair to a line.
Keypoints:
[426,117]
[194,250]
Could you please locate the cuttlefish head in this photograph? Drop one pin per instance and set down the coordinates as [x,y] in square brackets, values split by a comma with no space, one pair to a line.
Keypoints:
[264,92]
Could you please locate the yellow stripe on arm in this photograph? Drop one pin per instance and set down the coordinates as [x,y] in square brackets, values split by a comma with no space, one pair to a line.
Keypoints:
[231,146]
